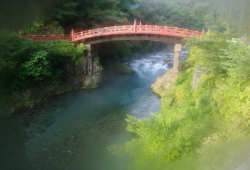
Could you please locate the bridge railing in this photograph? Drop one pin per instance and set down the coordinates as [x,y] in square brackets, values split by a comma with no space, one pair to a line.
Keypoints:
[135,29]
[106,30]
[118,30]
[164,29]
[47,37]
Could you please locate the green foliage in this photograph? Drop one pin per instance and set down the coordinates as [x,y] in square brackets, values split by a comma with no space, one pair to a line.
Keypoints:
[236,60]
[234,12]
[193,125]
[53,20]
[196,15]
[104,9]
[125,5]
[15,51]
[77,53]
[206,51]
[57,19]
[185,14]
[24,64]
[66,11]
[67,49]
[43,25]
[38,67]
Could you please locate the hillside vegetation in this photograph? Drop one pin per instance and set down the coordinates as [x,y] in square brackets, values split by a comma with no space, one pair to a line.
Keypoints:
[203,126]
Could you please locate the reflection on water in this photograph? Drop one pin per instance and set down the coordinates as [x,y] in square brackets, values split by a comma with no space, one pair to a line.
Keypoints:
[74,131]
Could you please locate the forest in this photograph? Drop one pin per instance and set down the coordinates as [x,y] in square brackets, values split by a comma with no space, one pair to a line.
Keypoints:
[201,127]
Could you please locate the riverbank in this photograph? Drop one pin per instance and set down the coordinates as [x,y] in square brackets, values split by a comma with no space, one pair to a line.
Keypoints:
[30,97]
[74,79]
[74,130]
[164,85]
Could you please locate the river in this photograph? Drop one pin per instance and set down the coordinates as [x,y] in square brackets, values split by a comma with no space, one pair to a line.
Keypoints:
[74,130]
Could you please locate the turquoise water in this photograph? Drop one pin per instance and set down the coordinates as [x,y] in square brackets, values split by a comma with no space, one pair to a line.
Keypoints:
[74,130]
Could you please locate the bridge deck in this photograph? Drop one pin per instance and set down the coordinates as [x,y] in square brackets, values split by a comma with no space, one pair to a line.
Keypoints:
[134,29]
[120,31]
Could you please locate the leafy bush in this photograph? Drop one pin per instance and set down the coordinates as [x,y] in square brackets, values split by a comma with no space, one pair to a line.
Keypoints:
[38,67]
[24,63]
[193,125]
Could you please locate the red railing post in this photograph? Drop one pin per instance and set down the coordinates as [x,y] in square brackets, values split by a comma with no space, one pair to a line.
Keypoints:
[135,26]
[140,27]
[72,35]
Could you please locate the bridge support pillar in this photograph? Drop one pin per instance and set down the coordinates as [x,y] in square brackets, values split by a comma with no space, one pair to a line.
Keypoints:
[92,55]
[89,60]
[177,51]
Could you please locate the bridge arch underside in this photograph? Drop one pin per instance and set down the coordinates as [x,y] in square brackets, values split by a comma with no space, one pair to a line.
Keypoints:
[133,37]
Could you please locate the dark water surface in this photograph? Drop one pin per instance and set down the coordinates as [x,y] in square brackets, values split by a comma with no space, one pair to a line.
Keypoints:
[74,130]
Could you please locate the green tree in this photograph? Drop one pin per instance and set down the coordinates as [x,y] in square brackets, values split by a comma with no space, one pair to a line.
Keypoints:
[25,63]
[195,124]
[37,68]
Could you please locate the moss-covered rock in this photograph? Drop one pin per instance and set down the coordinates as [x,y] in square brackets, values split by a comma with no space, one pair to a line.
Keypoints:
[164,85]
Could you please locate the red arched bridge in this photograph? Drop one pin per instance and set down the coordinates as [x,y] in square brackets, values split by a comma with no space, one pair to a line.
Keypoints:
[126,32]
[133,32]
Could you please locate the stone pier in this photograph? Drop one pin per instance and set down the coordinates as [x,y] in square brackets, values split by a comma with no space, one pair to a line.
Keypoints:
[94,69]
[92,56]
[177,51]
[89,60]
